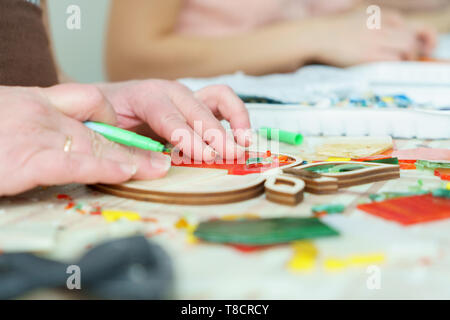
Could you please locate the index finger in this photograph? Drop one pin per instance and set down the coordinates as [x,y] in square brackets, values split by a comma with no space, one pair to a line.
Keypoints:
[168,122]
[205,124]
[225,103]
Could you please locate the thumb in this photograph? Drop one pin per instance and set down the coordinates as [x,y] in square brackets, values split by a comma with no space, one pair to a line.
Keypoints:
[75,167]
[81,102]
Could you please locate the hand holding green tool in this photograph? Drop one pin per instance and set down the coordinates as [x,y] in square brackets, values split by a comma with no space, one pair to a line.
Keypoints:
[126,137]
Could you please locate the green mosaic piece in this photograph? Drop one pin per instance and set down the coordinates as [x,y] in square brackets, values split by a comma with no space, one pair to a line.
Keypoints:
[263,231]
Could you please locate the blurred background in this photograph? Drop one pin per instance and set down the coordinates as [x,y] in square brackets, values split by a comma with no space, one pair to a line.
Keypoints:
[76,49]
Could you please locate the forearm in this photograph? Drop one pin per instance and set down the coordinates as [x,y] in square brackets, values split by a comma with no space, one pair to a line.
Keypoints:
[281,47]
[417,6]
[440,20]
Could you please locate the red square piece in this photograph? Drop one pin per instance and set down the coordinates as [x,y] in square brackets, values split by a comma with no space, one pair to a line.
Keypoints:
[410,210]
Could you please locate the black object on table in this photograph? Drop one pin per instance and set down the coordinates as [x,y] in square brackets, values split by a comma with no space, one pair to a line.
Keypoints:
[126,268]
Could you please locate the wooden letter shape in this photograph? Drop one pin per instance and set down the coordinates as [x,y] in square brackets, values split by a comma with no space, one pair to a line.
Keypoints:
[284,189]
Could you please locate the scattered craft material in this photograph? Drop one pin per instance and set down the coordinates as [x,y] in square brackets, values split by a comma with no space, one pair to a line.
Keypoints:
[407,164]
[387,160]
[304,258]
[353,147]
[377,197]
[376,101]
[441,169]
[444,174]
[281,135]
[359,260]
[149,219]
[338,159]
[190,236]
[64,197]
[410,210]
[181,224]
[328,177]
[441,193]
[114,215]
[253,162]
[248,249]
[430,154]
[432,165]
[245,216]
[328,208]
[284,190]
[79,207]
[262,231]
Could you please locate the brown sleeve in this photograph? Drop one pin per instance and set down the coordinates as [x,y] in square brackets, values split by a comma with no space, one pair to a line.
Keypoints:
[25,57]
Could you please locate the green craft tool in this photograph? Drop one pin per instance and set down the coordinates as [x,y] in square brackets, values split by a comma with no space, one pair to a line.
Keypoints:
[126,137]
[283,136]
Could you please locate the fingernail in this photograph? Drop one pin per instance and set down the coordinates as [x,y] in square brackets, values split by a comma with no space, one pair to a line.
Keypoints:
[160,161]
[129,169]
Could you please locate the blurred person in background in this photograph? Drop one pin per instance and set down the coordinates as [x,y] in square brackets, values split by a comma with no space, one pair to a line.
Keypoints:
[200,38]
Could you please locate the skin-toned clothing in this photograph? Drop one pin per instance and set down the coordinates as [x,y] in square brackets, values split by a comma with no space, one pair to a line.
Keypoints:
[218,17]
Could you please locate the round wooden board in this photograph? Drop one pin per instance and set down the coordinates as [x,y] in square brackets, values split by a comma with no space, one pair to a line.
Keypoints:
[194,186]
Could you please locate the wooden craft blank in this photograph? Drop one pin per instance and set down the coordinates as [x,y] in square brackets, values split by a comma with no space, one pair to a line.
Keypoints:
[284,189]
[194,186]
[331,182]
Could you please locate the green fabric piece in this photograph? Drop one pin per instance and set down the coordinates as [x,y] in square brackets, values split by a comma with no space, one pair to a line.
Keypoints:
[263,231]
[431,165]
[324,168]
[386,161]
[346,167]
[441,193]
[336,168]
[329,208]
[251,161]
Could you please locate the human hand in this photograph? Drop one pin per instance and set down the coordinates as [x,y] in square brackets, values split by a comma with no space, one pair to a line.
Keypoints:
[346,40]
[44,142]
[190,121]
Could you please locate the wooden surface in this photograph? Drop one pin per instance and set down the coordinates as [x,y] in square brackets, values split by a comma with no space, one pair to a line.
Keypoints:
[417,263]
